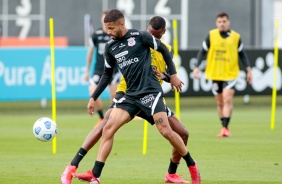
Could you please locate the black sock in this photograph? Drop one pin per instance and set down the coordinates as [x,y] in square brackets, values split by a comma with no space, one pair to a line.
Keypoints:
[78,157]
[226,122]
[100,112]
[189,160]
[97,169]
[221,119]
[172,167]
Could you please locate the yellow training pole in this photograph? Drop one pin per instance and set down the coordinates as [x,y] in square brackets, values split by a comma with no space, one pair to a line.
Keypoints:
[54,141]
[145,137]
[274,91]
[175,53]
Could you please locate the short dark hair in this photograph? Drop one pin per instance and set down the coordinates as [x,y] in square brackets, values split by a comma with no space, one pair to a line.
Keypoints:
[157,23]
[222,14]
[113,15]
[105,12]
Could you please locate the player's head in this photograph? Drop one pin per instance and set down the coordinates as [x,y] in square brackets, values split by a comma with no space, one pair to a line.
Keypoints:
[114,24]
[222,21]
[156,26]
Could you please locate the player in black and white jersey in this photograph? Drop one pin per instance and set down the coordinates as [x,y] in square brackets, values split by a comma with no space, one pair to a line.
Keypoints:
[157,27]
[98,41]
[130,50]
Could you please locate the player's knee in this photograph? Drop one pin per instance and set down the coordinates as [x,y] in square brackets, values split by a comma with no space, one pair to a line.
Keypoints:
[219,103]
[228,101]
[107,131]
[185,137]
[167,134]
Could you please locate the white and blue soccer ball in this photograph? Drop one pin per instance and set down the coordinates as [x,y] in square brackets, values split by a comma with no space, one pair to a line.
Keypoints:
[45,129]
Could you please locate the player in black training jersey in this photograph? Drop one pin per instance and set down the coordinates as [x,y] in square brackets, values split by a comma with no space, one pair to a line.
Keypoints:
[130,50]
[157,27]
[98,41]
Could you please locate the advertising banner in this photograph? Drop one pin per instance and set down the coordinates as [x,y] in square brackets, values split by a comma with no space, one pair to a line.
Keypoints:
[25,74]
[262,64]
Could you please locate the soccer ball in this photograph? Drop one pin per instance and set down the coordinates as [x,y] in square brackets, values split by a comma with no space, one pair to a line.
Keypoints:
[45,129]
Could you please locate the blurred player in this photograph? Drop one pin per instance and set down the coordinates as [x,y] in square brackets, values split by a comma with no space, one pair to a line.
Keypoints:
[222,47]
[98,41]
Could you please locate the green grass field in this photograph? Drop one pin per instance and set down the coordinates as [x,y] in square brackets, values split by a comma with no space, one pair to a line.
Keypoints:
[253,155]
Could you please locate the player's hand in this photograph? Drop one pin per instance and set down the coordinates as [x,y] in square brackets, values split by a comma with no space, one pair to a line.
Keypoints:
[196,72]
[90,106]
[160,75]
[175,82]
[249,75]
[86,76]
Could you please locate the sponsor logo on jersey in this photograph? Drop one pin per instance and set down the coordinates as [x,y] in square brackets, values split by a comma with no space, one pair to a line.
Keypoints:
[122,45]
[123,62]
[131,41]
[121,54]
[134,33]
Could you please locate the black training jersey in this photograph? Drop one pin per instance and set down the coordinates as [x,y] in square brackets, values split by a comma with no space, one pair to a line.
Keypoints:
[131,54]
[99,40]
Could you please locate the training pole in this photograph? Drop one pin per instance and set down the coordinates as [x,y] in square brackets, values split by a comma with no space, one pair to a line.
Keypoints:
[175,53]
[51,25]
[274,90]
[145,137]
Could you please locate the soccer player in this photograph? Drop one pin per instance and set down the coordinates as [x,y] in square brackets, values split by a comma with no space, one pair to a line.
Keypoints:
[143,93]
[223,46]
[99,40]
[156,26]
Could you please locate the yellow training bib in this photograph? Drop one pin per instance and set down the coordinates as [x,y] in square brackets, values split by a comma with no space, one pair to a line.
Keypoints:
[222,59]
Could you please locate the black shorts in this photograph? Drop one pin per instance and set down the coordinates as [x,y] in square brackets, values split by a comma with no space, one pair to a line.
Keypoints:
[149,104]
[218,86]
[118,96]
[150,119]
[95,79]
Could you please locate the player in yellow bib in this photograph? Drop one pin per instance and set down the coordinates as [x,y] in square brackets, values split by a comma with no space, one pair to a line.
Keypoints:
[159,67]
[223,46]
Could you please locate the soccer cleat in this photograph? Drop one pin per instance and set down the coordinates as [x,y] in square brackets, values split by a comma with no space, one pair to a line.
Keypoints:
[87,177]
[224,132]
[174,178]
[66,177]
[221,134]
[195,174]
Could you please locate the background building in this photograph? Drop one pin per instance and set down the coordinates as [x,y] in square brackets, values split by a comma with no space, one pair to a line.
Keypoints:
[254,19]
